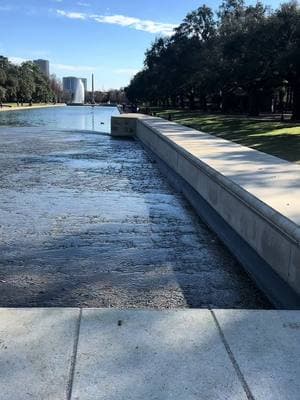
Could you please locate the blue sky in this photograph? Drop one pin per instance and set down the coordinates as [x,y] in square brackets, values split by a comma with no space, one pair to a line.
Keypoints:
[107,37]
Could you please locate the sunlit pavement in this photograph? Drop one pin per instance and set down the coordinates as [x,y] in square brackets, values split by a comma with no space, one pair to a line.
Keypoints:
[72,353]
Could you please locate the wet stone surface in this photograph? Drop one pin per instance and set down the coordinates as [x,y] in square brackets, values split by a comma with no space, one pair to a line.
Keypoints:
[86,220]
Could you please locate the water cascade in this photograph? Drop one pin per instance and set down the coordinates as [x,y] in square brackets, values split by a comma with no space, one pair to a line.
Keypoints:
[79,92]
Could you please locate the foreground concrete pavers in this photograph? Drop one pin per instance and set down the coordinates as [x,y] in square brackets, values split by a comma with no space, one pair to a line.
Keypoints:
[134,355]
[63,354]
[36,347]
[266,346]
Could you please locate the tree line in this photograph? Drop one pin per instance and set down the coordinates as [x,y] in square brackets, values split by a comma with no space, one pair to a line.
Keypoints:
[115,96]
[27,83]
[239,59]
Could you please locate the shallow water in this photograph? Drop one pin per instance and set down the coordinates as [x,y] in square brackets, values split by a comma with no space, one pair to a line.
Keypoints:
[87,220]
[70,117]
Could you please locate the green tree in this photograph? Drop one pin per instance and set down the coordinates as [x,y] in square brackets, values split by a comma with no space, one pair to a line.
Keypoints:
[286,23]
[238,59]
[26,85]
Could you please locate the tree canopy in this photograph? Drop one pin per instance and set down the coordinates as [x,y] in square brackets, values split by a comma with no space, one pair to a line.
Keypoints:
[24,83]
[240,59]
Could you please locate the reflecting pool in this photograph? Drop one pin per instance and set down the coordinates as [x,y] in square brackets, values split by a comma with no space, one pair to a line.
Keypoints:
[70,117]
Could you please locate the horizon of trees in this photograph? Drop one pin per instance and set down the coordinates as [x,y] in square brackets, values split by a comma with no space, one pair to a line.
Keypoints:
[116,96]
[242,59]
[27,83]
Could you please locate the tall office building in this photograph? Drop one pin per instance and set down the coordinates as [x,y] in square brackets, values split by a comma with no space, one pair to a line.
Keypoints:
[43,65]
[84,81]
[76,87]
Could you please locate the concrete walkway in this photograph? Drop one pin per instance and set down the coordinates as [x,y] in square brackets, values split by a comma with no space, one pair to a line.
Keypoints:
[70,353]
[273,181]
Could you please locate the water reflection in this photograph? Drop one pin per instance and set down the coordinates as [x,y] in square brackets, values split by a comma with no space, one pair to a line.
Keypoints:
[72,117]
[93,119]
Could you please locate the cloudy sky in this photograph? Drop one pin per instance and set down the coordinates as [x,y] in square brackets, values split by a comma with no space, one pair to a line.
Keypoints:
[107,37]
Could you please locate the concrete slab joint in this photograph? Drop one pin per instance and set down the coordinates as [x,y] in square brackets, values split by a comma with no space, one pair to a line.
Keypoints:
[115,354]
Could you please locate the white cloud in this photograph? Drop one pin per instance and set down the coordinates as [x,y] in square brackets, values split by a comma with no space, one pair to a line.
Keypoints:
[72,68]
[126,71]
[38,53]
[72,15]
[17,60]
[122,20]
[60,67]
[136,23]
[6,7]
[83,4]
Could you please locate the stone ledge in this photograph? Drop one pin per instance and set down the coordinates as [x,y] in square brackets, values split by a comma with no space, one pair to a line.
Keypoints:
[257,195]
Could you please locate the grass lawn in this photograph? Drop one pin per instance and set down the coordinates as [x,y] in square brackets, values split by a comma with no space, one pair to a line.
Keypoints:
[281,139]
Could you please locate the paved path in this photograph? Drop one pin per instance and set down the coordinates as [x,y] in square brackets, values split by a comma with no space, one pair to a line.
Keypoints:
[86,220]
[273,181]
[63,354]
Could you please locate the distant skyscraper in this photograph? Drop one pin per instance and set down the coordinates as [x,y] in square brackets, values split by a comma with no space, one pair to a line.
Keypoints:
[43,65]
[84,81]
[73,85]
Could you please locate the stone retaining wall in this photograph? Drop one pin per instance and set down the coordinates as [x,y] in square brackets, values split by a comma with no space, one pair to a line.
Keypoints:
[265,241]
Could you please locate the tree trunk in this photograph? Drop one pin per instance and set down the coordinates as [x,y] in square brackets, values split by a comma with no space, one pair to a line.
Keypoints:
[289,98]
[224,105]
[296,102]
[253,103]
[203,103]
[173,101]
[191,97]
[181,100]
